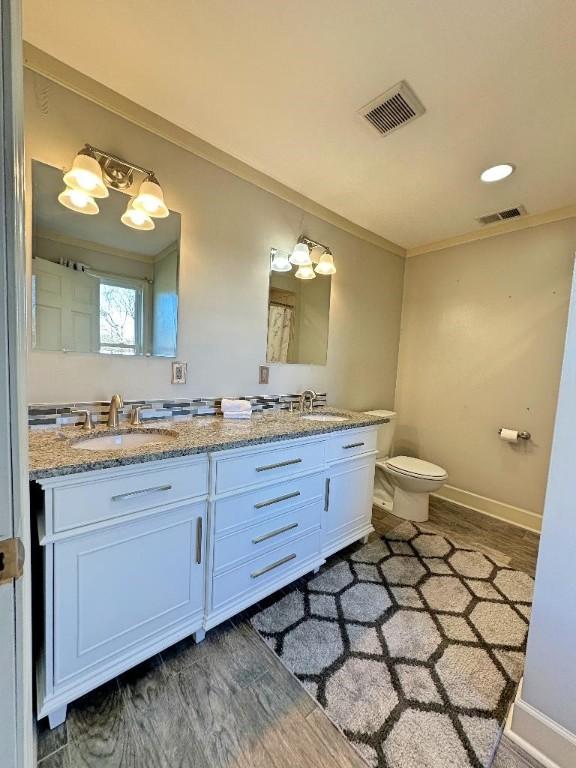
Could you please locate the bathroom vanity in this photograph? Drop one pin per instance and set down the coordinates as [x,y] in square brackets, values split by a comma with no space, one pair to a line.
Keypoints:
[143,548]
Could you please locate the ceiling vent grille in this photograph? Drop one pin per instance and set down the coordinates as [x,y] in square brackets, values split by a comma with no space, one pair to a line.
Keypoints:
[393,109]
[508,213]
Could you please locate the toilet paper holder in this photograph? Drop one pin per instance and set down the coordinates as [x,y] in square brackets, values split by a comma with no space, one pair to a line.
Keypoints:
[521,435]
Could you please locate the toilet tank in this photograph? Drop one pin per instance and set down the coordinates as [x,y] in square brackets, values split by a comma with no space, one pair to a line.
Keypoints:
[385,432]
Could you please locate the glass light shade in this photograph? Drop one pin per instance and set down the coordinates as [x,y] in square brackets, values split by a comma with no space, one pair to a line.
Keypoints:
[305,272]
[86,176]
[280,262]
[136,219]
[497,172]
[150,200]
[301,255]
[326,265]
[78,201]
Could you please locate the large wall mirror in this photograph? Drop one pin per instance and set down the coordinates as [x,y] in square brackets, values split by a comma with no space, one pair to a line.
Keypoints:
[298,318]
[98,285]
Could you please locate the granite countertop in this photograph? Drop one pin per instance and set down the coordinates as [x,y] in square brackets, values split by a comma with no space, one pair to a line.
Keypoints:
[51,453]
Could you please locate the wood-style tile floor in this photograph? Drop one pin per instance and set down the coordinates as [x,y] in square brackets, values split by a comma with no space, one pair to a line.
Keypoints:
[229,702]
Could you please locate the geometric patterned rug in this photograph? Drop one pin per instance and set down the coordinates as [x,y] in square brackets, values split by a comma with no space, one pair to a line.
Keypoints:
[412,644]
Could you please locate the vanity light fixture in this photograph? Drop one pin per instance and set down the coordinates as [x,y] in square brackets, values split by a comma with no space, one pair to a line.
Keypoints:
[136,219]
[305,272]
[150,199]
[301,255]
[78,201]
[279,261]
[497,172]
[93,170]
[86,175]
[326,264]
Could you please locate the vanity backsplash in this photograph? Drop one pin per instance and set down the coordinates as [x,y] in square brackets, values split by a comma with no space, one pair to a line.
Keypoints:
[42,415]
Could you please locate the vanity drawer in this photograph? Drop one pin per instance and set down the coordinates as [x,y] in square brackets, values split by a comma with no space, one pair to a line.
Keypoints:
[345,445]
[234,512]
[88,499]
[265,569]
[262,466]
[267,534]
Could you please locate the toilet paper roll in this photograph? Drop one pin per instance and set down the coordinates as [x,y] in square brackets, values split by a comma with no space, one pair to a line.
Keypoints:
[509,435]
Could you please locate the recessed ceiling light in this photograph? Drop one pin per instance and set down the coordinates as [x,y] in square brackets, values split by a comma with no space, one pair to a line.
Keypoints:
[497,172]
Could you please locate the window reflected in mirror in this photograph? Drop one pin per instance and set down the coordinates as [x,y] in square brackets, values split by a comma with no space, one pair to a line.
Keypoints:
[98,285]
[298,318]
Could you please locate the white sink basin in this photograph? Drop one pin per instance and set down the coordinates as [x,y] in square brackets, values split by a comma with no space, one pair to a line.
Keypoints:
[324,417]
[123,441]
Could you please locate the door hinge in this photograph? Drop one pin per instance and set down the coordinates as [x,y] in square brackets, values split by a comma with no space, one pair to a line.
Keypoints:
[11,560]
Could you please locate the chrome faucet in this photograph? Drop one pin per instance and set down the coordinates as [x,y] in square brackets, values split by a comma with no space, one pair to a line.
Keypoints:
[116,403]
[136,415]
[308,393]
[87,424]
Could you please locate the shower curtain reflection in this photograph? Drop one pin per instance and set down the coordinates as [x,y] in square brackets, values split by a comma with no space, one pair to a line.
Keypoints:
[280,332]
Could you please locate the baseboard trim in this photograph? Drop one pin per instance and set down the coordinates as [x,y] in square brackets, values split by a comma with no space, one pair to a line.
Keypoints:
[540,737]
[522,518]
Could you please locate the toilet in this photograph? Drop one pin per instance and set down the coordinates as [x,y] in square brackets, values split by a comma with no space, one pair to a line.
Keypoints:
[403,484]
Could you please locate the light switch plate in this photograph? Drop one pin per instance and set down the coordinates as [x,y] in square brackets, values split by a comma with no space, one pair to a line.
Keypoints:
[179,373]
[264,375]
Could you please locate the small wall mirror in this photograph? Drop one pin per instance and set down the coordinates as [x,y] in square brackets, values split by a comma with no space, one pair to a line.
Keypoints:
[298,318]
[98,285]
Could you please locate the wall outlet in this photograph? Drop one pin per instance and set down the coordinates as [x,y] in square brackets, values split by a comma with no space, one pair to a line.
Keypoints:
[264,375]
[179,373]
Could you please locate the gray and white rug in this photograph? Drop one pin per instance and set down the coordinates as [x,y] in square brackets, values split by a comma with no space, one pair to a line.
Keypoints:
[412,644]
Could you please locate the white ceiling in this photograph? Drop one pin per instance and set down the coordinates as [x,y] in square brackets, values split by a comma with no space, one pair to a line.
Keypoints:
[278,85]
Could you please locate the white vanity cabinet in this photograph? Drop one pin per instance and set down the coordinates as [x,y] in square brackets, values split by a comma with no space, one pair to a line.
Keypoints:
[124,572]
[139,556]
[266,507]
[351,457]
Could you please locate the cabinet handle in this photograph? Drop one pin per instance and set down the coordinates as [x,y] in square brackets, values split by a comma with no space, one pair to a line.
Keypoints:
[280,464]
[276,500]
[271,567]
[277,532]
[143,492]
[327,495]
[199,540]
[352,445]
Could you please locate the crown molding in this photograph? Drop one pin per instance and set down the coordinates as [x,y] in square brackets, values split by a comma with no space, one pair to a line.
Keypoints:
[43,64]
[495,230]
[90,245]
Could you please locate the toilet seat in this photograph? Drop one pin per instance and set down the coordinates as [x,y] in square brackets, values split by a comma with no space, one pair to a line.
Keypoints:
[411,467]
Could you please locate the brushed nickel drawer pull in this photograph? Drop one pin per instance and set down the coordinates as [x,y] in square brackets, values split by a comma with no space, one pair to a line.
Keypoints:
[277,532]
[353,445]
[276,500]
[327,495]
[280,464]
[143,492]
[271,567]
[198,540]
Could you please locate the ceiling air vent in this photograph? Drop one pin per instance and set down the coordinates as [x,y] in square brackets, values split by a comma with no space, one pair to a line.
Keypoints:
[508,213]
[392,109]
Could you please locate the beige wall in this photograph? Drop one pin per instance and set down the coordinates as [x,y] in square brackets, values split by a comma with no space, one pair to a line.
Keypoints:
[228,228]
[482,337]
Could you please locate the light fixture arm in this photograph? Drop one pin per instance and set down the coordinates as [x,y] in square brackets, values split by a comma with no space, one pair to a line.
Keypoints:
[118,172]
[313,243]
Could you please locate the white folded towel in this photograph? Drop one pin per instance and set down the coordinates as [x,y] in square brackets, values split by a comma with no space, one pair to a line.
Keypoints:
[236,406]
[239,415]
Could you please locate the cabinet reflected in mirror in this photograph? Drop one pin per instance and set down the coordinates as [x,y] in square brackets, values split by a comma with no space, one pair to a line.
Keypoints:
[98,285]
[298,318]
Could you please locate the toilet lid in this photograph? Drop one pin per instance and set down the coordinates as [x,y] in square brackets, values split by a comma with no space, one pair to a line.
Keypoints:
[407,465]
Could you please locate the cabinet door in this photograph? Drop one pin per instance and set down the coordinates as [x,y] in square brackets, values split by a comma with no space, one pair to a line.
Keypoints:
[123,588]
[348,503]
